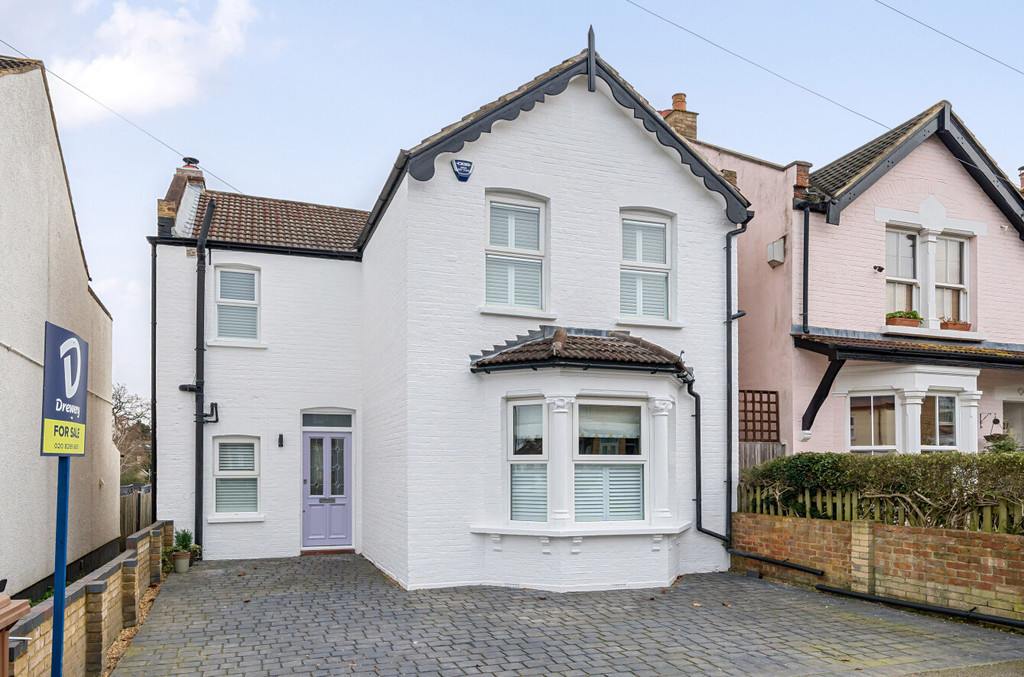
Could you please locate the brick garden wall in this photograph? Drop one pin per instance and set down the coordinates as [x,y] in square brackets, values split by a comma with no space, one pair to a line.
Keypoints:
[98,607]
[945,567]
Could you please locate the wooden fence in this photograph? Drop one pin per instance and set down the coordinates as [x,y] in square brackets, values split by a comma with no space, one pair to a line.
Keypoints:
[755,453]
[1004,517]
[136,510]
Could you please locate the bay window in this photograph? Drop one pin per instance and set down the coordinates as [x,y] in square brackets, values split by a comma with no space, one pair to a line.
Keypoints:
[515,255]
[873,424]
[900,271]
[938,423]
[644,273]
[608,474]
[528,468]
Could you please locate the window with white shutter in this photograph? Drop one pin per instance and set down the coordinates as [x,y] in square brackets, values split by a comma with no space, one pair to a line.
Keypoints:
[609,467]
[236,475]
[528,468]
[238,309]
[514,258]
[644,273]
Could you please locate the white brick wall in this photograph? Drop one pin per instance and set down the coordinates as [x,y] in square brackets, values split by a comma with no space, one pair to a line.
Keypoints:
[429,455]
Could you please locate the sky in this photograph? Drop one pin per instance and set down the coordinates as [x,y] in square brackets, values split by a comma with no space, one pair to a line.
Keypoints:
[312,101]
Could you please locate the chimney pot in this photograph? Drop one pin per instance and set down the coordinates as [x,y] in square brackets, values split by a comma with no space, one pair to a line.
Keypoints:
[1021,177]
[679,101]
[684,122]
[190,162]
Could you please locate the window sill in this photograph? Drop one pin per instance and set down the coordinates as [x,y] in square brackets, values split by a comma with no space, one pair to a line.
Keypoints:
[934,333]
[648,322]
[227,343]
[532,313]
[579,530]
[236,517]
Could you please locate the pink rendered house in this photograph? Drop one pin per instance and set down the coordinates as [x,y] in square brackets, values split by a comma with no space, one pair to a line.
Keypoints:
[918,219]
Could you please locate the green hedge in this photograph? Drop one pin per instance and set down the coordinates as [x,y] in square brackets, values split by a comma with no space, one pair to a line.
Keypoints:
[941,489]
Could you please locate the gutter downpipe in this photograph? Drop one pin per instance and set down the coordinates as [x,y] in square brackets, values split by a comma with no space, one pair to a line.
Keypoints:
[918,606]
[807,264]
[730,317]
[696,451]
[201,364]
[152,385]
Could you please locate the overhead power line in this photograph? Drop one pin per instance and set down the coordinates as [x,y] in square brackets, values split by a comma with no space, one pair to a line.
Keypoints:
[114,112]
[947,35]
[757,65]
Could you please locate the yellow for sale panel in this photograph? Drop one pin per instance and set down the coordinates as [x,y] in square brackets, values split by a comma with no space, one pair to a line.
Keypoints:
[63,438]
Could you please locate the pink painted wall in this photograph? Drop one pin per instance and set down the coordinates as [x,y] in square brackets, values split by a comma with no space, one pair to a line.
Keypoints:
[765,346]
[996,386]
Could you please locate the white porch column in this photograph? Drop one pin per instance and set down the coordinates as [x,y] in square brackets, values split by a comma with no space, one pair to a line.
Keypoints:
[660,408]
[926,263]
[560,457]
[968,433]
[912,400]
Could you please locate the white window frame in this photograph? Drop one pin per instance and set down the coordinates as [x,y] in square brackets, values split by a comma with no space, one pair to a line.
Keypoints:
[232,474]
[218,302]
[648,218]
[643,458]
[526,459]
[898,412]
[956,422]
[516,254]
[914,282]
[965,314]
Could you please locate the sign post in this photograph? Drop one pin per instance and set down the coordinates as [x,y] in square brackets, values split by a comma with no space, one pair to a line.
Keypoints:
[65,383]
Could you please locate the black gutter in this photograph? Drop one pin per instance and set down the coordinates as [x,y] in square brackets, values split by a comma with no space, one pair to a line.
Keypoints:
[391,184]
[582,364]
[152,384]
[257,248]
[839,351]
[998,620]
[697,458]
[730,317]
[201,363]
[776,562]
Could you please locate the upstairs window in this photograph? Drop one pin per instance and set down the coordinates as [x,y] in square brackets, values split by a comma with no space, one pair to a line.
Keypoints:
[515,255]
[873,424]
[900,271]
[950,280]
[643,276]
[238,309]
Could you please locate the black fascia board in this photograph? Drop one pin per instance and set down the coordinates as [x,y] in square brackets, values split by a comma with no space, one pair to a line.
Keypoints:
[839,351]
[257,248]
[583,364]
[394,179]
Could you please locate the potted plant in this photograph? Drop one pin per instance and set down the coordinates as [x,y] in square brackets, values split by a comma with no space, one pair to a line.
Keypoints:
[955,325]
[903,318]
[181,553]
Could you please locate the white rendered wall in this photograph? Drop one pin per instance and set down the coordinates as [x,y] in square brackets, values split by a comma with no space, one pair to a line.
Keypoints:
[589,158]
[44,279]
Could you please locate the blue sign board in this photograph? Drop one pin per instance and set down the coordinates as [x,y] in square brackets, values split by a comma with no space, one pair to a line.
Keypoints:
[462,168]
[65,377]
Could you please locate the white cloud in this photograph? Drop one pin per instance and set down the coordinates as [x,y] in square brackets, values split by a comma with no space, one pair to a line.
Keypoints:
[147,60]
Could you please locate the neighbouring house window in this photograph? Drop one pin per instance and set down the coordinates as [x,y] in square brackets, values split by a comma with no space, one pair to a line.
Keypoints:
[873,423]
[236,475]
[900,271]
[938,423]
[644,273]
[528,468]
[608,475]
[238,309]
[950,281]
[515,255]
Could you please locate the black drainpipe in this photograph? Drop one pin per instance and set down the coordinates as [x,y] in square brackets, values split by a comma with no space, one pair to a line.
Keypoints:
[807,259]
[152,385]
[201,363]
[696,450]
[930,608]
[730,317]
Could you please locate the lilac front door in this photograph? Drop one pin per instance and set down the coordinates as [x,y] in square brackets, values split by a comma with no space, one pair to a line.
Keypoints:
[326,489]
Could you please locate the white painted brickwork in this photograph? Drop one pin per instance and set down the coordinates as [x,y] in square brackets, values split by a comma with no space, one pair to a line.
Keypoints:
[391,337]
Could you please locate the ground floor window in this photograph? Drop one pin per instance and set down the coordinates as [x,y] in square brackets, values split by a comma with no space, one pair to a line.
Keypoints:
[608,478]
[528,468]
[236,475]
[938,423]
[873,423]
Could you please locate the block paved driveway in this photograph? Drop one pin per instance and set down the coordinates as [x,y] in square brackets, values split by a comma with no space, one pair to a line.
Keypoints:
[336,614]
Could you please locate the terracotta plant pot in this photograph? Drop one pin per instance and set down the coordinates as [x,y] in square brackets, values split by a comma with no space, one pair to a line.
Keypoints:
[181,561]
[902,322]
[955,326]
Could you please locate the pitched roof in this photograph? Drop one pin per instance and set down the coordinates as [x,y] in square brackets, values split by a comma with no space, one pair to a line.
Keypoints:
[847,178]
[839,174]
[11,64]
[567,347]
[280,223]
[898,350]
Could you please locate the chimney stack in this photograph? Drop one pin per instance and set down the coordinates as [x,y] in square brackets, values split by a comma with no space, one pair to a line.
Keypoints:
[680,119]
[730,176]
[1020,175]
[803,179]
[186,185]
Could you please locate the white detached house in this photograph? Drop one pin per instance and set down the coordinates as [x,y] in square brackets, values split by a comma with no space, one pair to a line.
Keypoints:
[351,396]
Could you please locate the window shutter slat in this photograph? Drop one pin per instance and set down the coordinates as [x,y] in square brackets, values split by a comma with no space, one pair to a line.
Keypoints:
[529,492]
[501,222]
[237,494]
[609,492]
[628,302]
[654,295]
[643,242]
[497,282]
[236,456]
[237,321]
[589,492]
[629,241]
[527,283]
[237,286]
